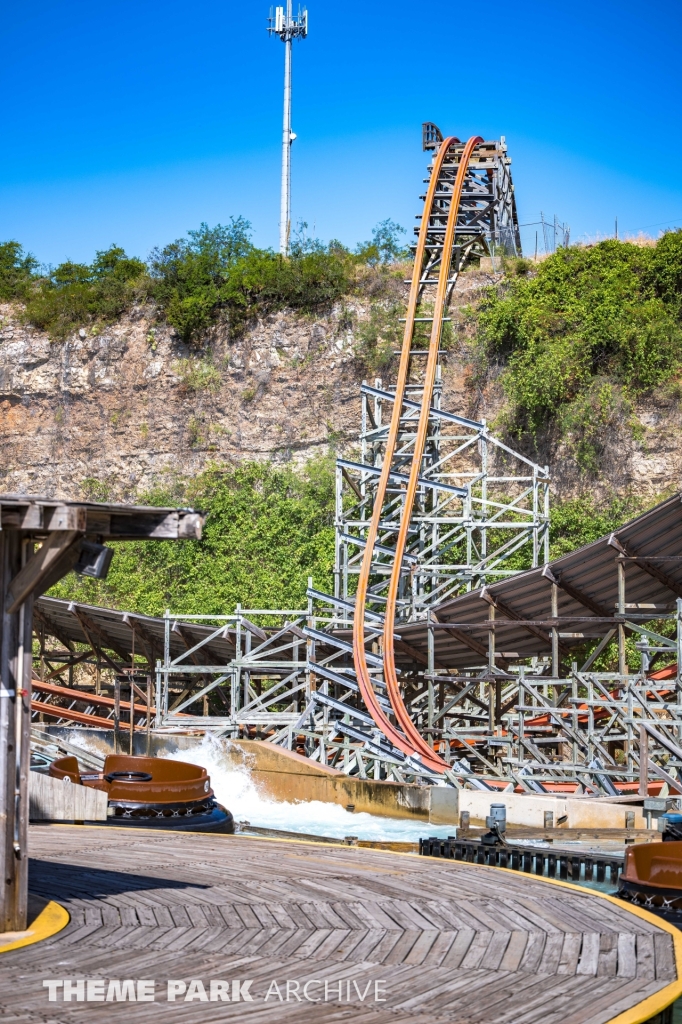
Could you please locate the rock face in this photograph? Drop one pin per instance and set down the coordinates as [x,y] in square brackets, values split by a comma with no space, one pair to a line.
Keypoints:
[113,414]
[131,407]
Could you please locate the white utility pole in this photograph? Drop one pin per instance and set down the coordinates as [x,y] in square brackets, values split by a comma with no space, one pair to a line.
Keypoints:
[287,28]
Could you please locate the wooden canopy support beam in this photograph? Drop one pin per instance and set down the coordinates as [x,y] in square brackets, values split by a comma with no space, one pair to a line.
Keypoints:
[41,516]
[578,595]
[55,557]
[149,643]
[40,542]
[628,551]
[511,614]
[469,641]
[418,656]
[93,629]
[67,665]
[52,628]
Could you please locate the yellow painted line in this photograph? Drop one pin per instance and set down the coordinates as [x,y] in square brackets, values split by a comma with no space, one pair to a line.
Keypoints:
[49,922]
[639,1014]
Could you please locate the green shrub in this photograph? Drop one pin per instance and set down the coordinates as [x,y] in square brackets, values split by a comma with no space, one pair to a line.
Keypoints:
[210,274]
[267,530]
[198,374]
[218,269]
[591,319]
[385,246]
[576,522]
[379,336]
[16,271]
[76,294]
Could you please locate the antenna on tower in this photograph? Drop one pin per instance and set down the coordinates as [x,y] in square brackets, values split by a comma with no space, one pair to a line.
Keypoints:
[282,23]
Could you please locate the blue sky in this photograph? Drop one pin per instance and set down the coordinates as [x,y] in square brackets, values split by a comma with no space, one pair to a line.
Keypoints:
[133,121]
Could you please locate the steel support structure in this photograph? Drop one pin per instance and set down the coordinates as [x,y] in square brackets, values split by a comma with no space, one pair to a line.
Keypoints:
[292,682]
[436,506]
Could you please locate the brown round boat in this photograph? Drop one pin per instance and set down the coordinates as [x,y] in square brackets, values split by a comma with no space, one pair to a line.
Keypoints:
[152,792]
[652,875]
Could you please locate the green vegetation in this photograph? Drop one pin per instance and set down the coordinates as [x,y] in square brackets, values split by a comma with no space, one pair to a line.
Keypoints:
[211,274]
[77,294]
[198,374]
[16,271]
[218,269]
[591,331]
[379,336]
[267,530]
[579,521]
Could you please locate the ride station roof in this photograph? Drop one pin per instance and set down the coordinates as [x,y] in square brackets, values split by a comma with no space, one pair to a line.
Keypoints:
[650,550]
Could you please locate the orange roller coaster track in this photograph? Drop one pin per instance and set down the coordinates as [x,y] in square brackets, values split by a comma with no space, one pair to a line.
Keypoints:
[443,200]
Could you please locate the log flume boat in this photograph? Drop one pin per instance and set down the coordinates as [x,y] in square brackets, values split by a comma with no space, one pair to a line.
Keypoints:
[152,792]
[652,874]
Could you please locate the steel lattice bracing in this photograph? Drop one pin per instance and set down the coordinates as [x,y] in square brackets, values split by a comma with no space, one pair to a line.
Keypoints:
[460,669]
[478,504]
[486,676]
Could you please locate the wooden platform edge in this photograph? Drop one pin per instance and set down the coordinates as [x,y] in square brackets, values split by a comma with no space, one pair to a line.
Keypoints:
[639,1014]
[50,921]
[659,1001]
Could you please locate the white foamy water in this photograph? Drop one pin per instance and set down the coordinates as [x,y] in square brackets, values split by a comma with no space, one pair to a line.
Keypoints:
[235,788]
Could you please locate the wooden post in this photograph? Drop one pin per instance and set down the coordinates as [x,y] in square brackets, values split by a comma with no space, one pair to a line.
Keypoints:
[24,576]
[149,710]
[555,632]
[622,663]
[132,696]
[15,726]
[491,707]
[132,717]
[117,712]
[643,761]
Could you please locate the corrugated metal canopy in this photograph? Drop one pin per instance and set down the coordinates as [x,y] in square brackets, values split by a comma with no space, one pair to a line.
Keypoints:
[650,548]
[113,630]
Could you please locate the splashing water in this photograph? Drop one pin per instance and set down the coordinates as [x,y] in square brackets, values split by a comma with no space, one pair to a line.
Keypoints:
[230,771]
[235,788]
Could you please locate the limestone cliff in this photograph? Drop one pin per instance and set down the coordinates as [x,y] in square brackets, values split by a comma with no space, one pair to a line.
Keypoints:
[116,413]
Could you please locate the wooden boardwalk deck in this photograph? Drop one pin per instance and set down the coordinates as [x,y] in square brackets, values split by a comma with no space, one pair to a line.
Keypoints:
[450,941]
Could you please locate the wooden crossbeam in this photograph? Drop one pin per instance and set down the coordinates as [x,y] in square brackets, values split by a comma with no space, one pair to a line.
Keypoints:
[511,614]
[148,641]
[67,665]
[92,628]
[645,566]
[52,628]
[418,656]
[56,556]
[469,641]
[578,595]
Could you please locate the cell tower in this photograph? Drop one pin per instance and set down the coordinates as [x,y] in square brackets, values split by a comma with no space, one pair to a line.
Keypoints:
[288,28]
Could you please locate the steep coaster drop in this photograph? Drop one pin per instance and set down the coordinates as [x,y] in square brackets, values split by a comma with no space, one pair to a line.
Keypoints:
[458,200]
